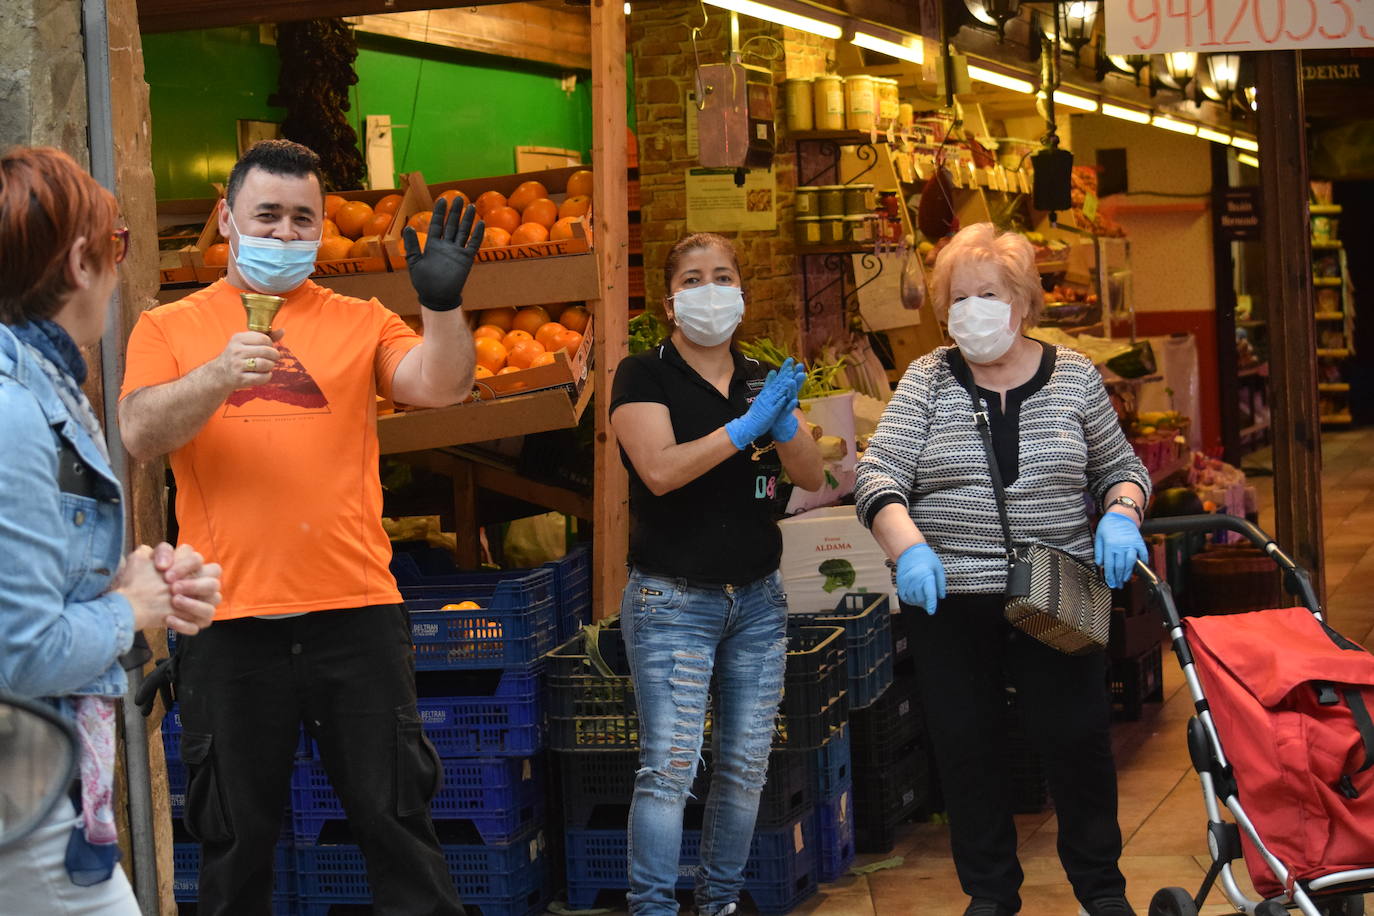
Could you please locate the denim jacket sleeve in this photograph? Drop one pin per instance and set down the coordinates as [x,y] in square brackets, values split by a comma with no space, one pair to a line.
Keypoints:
[61,632]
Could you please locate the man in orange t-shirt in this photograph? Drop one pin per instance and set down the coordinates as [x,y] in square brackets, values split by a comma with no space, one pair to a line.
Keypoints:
[273,443]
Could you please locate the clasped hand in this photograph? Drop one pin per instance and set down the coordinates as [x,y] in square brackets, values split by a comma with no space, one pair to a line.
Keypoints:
[439,272]
[773,409]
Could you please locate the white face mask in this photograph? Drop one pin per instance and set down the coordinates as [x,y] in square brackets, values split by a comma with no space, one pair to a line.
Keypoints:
[708,315]
[980,328]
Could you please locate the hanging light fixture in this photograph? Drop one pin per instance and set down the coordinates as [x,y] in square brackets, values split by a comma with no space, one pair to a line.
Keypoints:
[1224,69]
[1130,63]
[996,13]
[1181,66]
[1079,17]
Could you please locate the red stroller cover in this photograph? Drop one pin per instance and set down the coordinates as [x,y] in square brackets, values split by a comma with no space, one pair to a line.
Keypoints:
[1291,700]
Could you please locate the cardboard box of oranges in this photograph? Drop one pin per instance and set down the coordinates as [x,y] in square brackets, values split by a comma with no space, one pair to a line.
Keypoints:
[528,215]
[535,351]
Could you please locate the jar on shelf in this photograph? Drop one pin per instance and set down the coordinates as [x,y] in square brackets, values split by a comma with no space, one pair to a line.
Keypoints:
[859,101]
[831,200]
[906,115]
[808,201]
[858,229]
[798,97]
[832,230]
[808,230]
[889,105]
[858,199]
[828,102]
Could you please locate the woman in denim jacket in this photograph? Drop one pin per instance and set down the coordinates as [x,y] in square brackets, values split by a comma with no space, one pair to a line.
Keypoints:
[68,607]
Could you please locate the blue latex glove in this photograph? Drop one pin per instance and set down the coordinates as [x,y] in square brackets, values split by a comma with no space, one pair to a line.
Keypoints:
[1116,548]
[779,390]
[785,426]
[920,577]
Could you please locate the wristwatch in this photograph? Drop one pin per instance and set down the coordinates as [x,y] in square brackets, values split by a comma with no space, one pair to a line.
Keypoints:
[1129,504]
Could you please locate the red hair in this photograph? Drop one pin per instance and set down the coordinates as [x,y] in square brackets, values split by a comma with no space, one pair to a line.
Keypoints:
[46,202]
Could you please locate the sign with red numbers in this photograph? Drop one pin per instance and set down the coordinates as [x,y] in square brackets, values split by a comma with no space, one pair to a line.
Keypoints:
[1217,26]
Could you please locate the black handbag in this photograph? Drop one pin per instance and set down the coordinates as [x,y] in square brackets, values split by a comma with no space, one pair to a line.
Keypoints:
[1051,596]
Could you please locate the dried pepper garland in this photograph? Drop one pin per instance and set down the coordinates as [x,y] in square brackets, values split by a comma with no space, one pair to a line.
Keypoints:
[317,58]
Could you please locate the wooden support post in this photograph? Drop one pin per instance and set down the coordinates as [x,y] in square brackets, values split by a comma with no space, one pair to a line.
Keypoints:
[468,550]
[1294,419]
[609,160]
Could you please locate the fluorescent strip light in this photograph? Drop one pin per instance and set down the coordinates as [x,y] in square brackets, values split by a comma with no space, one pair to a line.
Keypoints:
[1178,127]
[779,17]
[916,54]
[999,79]
[1206,133]
[1126,114]
[1081,102]
[1244,143]
[1247,159]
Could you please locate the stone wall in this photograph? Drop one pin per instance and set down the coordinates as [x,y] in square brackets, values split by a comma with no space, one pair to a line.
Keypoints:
[43,76]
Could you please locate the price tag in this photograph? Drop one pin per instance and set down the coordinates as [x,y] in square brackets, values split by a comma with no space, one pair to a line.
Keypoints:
[1214,26]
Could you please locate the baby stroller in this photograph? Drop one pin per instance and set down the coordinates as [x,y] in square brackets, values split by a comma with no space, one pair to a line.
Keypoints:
[1282,739]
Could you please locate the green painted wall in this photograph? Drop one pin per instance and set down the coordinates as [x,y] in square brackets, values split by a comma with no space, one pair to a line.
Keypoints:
[465,113]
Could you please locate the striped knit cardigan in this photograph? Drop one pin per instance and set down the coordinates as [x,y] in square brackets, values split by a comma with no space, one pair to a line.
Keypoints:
[927,455]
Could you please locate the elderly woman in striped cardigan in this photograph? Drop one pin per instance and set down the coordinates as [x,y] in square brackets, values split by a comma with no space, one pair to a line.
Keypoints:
[925,491]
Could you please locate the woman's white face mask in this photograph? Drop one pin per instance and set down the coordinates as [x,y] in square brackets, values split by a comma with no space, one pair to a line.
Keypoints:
[708,315]
[982,328]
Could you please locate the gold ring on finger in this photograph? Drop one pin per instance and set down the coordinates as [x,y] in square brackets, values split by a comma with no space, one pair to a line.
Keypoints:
[252,364]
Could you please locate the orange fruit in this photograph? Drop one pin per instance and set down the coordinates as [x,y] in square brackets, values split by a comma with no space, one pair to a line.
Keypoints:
[379,223]
[546,333]
[329,228]
[580,183]
[501,318]
[419,221]
[509,370]
[529,234]
[495,238]
[530,319]
[362,248]
[217,255]
[542,211]
[389,204]
[543,359]
[579,205]
[489,201]
[563,229]
[523,353]
[332,203]
[527,193]
[489,330]
[514,337]
[568,340]
[334,248]
[507,218]
[575,318]
[490,353]
[450,196]
[481,372]
[352,218]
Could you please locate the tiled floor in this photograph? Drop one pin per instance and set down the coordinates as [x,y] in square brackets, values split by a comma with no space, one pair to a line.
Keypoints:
[1161,811]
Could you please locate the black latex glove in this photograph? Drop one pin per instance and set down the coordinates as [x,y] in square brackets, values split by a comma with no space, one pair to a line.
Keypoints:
[162,680]
[438,274]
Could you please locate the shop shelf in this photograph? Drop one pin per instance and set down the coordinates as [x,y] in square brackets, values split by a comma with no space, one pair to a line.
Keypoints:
[868,641]
[1135,681]
[1338,419]
[835,839]
[514,625]
[1333,387]
[501,797]
[1326,281]
[598,785]
[592,706]
[1329,316]
[481,714]
[880,732]
[780,873]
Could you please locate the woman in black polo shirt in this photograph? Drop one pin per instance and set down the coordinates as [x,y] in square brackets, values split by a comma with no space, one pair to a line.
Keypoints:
[703,431]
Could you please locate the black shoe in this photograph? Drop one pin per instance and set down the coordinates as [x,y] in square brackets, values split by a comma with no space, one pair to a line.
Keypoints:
[1108,906]
[981,906]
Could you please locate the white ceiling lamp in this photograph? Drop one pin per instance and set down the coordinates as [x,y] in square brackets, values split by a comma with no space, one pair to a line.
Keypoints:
[984,75]
[1073,100]
[1245,143]
[1247,159]
[1216,136]
[780,17]
[913,53]
[1126,114]
[1178,127]
[627,9]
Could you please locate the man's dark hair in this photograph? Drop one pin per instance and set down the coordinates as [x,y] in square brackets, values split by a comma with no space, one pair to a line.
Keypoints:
[276,157]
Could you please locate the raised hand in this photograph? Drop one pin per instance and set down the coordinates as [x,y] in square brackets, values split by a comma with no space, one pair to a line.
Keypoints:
[439,272]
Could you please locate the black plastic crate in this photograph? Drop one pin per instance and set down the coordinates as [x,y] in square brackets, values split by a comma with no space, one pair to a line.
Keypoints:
[1136,681]
[880,732]
[1133,633]
[597,787]
[868,642]
[884,798]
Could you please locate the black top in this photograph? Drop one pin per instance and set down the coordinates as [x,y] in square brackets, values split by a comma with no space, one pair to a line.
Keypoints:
[1005,423]
[718,529]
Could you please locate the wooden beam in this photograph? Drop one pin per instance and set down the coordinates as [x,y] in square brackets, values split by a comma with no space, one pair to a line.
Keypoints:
[609,160]
[178,15]
[557,36]
[1292,326]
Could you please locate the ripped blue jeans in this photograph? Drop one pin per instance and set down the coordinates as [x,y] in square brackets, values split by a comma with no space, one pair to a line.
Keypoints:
[677,635]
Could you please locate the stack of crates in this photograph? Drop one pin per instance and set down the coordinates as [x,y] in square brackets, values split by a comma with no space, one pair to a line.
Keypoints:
[891,765]
[594,732]
[1136,671]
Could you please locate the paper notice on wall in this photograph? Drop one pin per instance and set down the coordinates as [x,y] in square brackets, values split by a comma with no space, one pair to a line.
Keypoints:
[716,204]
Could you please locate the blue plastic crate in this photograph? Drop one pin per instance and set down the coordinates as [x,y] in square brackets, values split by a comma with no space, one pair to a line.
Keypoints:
[492,714]
[515,624]
[835,836]
[573,586]
[171,737]
[867,627]
[176,787]
[780,873]
[831,767]
[186,874]
[513,873]
[532,904]
[501,797]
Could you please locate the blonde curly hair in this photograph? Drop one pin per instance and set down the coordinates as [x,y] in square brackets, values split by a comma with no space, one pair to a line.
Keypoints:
[1010,251]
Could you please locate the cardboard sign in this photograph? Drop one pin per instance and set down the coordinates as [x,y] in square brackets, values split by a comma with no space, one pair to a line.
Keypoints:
[1216,26]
